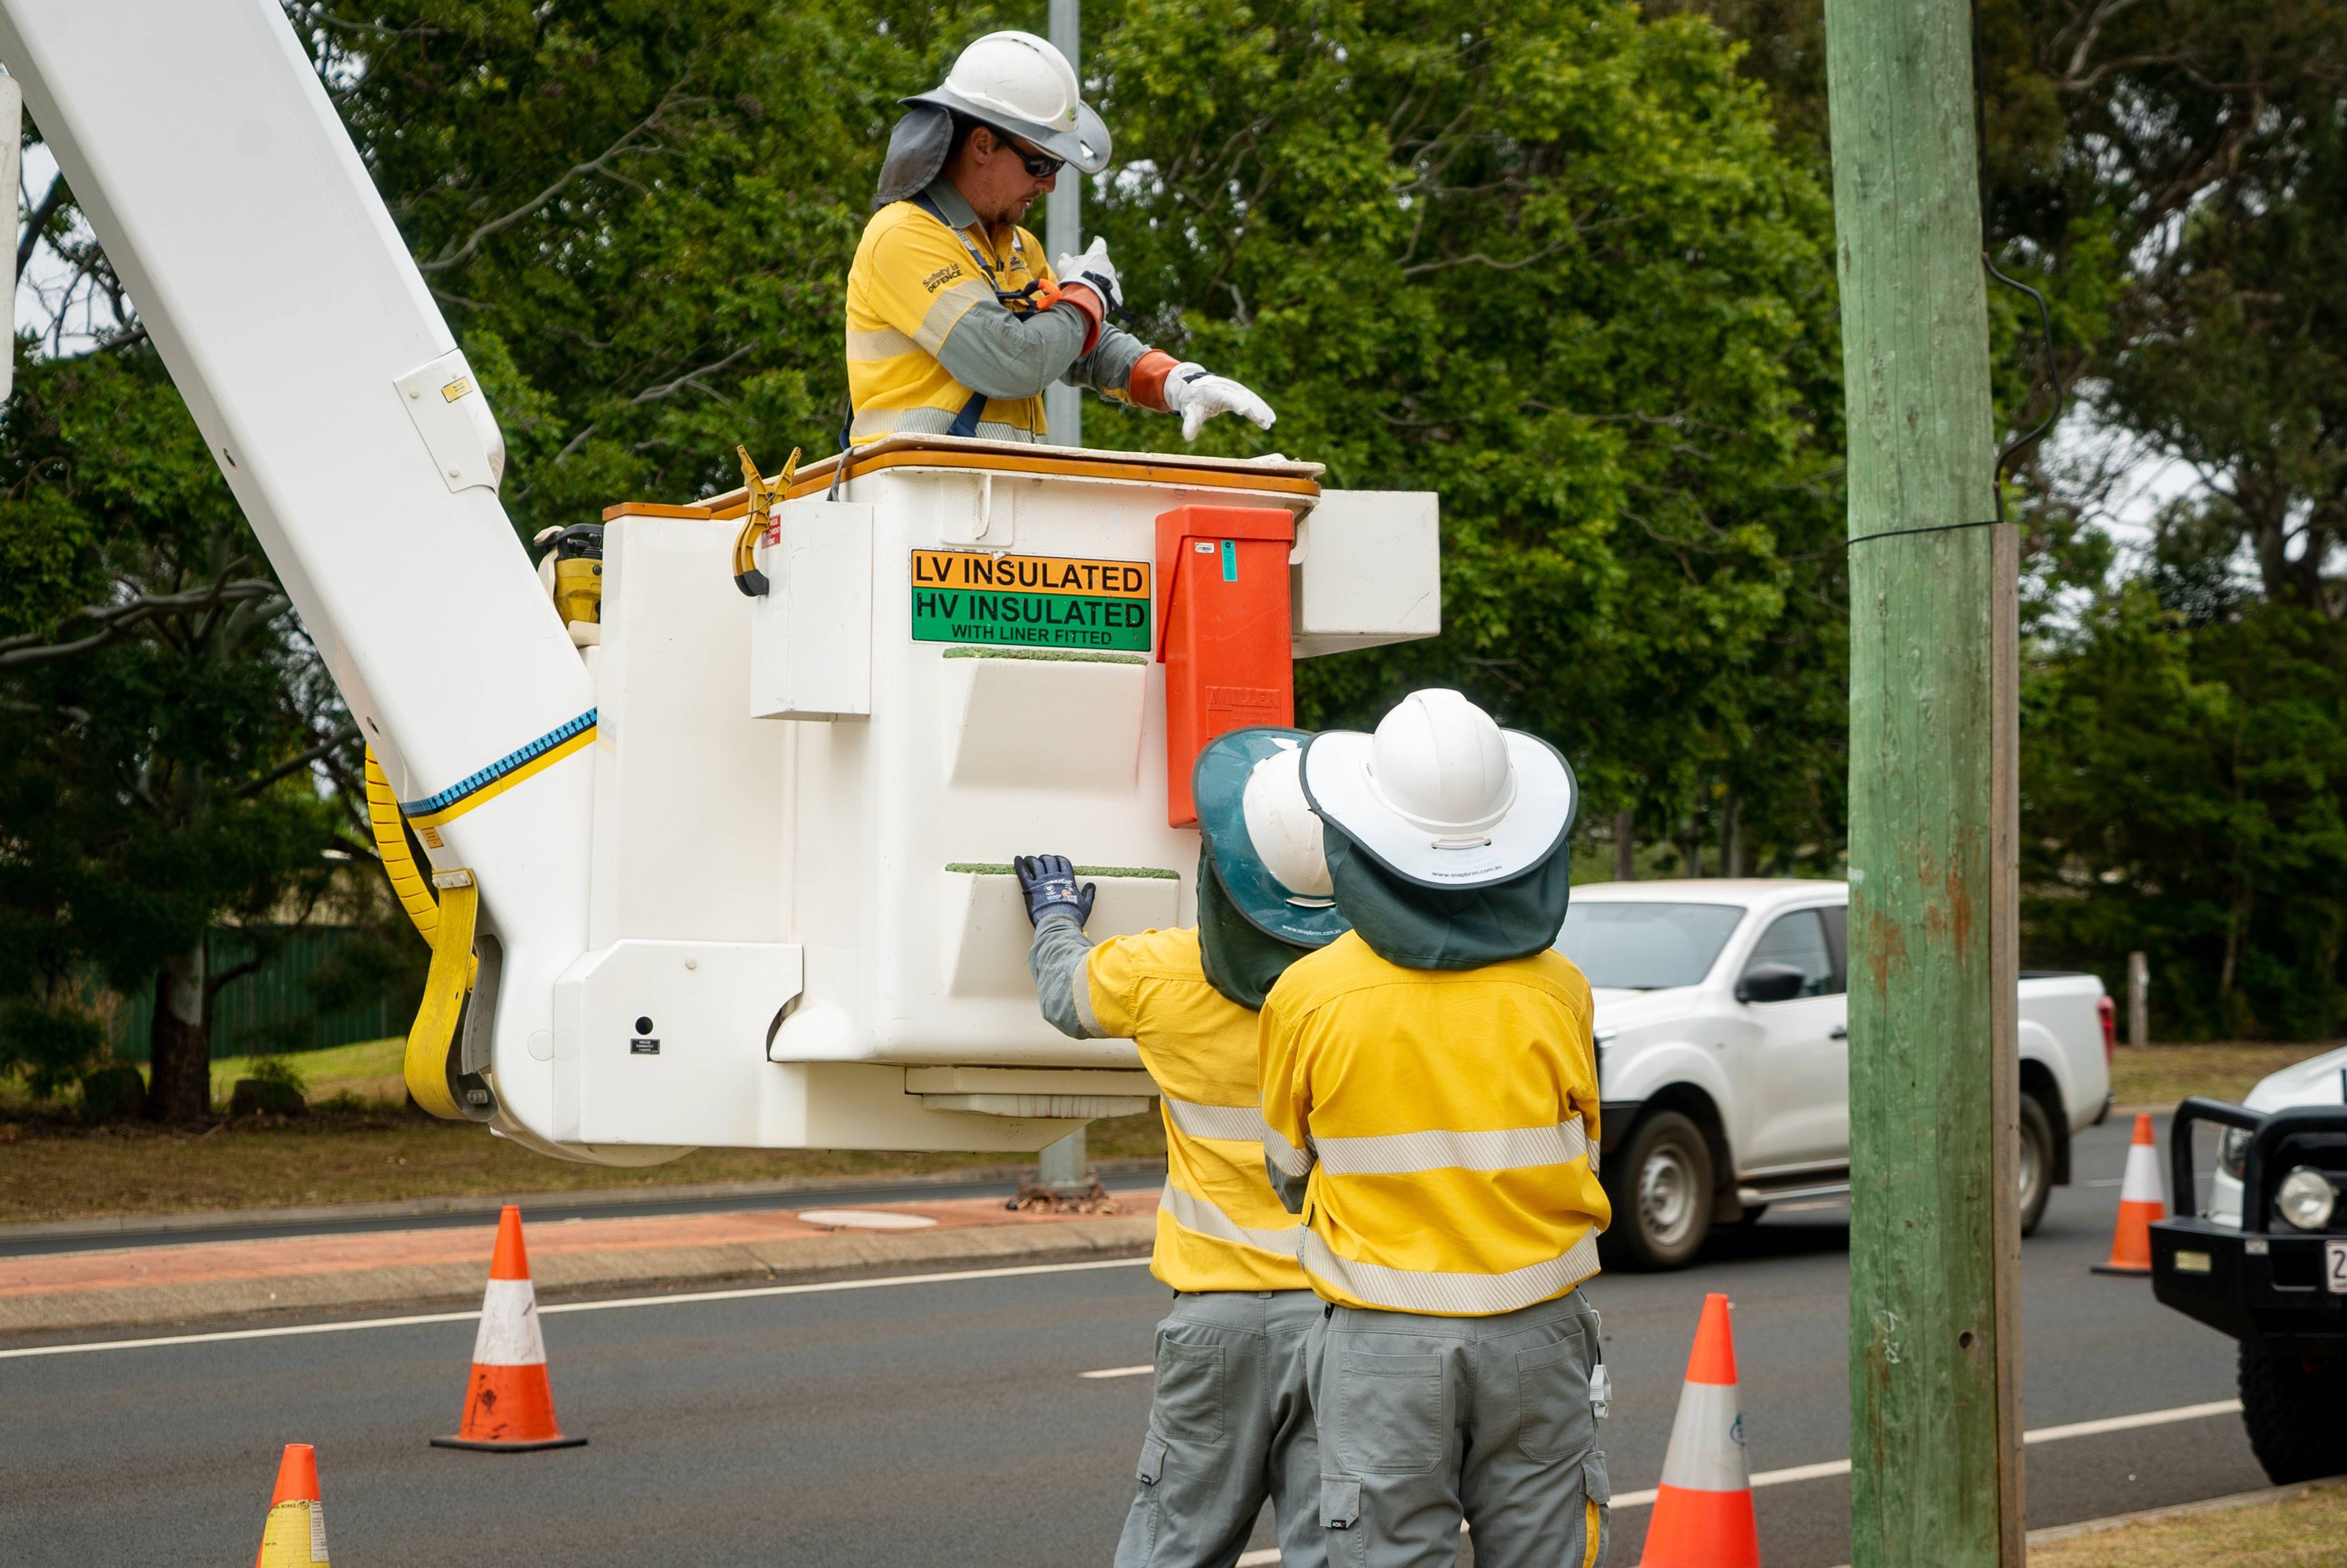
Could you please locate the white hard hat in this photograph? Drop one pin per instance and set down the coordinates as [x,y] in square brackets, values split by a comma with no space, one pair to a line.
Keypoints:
[1442,794]
[1281,827]
[1019,83]
[1261,839]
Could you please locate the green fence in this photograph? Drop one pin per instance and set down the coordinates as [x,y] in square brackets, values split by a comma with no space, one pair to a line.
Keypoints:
[271,1008]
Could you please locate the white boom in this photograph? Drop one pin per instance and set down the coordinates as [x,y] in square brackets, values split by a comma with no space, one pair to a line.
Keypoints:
[736,854]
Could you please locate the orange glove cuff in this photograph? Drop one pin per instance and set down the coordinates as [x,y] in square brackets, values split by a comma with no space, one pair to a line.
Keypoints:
[1082,296]
[1145,387]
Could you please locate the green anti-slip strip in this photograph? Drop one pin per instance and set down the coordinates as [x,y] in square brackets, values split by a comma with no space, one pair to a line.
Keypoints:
[1048,655]
[1003,868]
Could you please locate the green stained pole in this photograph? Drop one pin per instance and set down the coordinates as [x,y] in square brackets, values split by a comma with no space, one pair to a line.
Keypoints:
[1934,1340]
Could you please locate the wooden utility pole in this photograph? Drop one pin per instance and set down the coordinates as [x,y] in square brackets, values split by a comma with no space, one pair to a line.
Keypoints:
[1934,1351]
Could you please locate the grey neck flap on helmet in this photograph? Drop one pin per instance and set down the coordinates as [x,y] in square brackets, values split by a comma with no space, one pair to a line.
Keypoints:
[1407,923]
[917,153]
[1242,962]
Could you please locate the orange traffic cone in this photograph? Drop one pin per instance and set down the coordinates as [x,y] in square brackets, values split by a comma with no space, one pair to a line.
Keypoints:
[509,1405]
[295,1530]
[1703,1509]
[2140,1202]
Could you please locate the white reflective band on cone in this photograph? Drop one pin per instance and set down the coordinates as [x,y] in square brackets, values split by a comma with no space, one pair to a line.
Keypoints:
[508,1335]
[2141,1183]
[1400,1153]
[1196,1213]
[1706,1452]
[1232,1123]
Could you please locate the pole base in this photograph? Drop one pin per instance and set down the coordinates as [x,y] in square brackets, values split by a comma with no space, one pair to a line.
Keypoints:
[475,1443]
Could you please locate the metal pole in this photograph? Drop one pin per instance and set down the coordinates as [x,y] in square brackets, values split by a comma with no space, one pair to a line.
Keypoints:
[1934,1341]
[1063,233]
[2139,1000]
[1063,1166]
[12,131]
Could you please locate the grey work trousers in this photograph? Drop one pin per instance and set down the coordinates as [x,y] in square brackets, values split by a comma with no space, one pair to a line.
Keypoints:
[1425,1421]
[1229,1427]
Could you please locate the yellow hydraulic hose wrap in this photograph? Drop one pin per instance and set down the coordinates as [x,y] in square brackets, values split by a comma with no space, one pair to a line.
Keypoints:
[444,985]
[407,878]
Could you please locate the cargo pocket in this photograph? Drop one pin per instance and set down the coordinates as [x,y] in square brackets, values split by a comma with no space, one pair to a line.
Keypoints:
[1389,1412]
[1189,1401]
[1340,1501]
[1597,1515]
[1554,1416]
[1152,1460]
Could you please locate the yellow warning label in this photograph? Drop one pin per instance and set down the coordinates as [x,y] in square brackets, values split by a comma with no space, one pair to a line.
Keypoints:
[1030,574]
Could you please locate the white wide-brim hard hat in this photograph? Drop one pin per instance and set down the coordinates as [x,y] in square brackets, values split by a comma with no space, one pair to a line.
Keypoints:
[1441,795]
[1019,83]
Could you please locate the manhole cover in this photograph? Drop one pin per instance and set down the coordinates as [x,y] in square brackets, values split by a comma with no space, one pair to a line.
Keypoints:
[866,1219]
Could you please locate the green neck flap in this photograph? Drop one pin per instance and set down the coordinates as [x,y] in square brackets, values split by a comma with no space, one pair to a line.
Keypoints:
[1240,960]
[1421,928]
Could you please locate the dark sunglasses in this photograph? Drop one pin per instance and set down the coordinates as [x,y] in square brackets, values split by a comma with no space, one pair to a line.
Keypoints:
[1039,164]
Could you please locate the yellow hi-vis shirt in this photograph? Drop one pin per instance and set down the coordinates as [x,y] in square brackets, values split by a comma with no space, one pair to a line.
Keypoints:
[912,282]
[1448,1122]
[1219,1225]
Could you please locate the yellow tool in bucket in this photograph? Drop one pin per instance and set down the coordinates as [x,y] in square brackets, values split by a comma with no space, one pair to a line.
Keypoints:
[763,498]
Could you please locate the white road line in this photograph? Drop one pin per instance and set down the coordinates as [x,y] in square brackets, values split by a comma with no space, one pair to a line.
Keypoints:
[1121,1371]
[550,1308]
[1261,1559]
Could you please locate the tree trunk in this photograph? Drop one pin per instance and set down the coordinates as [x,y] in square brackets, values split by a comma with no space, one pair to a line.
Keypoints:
[179,1045]
[1626,846]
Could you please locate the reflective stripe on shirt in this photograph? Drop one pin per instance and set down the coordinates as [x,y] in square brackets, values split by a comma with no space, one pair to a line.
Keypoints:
[1191,1212]
[1237,1123]
[1468,1295]
[1292,1160]
[1400,1153]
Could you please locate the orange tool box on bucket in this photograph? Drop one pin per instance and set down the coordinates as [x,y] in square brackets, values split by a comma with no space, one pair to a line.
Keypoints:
[1225,632]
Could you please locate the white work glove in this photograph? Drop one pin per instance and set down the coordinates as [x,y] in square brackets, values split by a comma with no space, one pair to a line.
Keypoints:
[1197,396]
[1096,272]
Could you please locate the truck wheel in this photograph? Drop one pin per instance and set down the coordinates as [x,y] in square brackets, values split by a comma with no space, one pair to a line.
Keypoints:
[2036,1158]
[2291,1405]
[1662,1200]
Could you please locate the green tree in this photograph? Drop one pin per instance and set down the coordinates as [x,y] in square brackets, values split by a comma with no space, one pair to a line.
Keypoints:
[2183,775]
[159,717]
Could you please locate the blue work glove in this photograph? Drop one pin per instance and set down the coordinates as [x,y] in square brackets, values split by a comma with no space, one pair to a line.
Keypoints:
[1049,882]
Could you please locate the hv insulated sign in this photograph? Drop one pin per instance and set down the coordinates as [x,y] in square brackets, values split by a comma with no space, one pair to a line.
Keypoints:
[1030,602]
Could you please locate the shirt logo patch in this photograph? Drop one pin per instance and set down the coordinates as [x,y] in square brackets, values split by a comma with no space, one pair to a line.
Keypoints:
[942,276]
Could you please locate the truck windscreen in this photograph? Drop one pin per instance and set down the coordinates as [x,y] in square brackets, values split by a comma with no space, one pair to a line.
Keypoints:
[1644,947]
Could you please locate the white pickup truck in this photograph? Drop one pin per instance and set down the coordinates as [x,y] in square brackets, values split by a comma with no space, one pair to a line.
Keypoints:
[1724,1060]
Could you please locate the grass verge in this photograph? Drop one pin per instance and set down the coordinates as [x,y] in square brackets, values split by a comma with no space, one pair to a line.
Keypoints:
[347,1151]
[2303,1533]
[2164,1074]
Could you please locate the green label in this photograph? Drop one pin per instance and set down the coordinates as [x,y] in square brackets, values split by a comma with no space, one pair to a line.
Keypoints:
[1030,602]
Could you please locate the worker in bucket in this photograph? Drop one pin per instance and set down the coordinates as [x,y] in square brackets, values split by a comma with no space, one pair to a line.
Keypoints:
[1230,1424]
[1430,1098]
[955,324]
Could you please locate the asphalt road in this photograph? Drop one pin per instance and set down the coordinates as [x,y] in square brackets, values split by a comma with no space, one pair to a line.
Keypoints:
[947,1421]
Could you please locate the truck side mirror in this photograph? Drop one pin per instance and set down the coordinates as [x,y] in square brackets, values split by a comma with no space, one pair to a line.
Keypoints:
[1770,983]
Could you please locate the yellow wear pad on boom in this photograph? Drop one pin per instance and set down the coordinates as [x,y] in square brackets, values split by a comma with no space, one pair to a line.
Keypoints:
[445,987]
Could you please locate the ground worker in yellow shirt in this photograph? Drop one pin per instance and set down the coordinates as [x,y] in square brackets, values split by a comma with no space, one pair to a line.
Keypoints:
[1429,1101]
[954,323]
[1230,1424]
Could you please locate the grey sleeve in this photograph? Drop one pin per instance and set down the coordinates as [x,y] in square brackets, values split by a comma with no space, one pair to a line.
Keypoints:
[1109,366]
[1056,959]
[1289,1188]
[1003,355]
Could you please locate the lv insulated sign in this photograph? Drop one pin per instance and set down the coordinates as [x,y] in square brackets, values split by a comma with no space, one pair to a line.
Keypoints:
[1034,601]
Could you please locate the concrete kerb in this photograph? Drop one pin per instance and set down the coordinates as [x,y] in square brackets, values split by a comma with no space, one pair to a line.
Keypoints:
[566,1275]
[552,1203]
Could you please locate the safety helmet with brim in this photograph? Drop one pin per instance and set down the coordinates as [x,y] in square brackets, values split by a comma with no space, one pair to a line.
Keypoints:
[1263,840]
[1019,83]
[1441,796]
